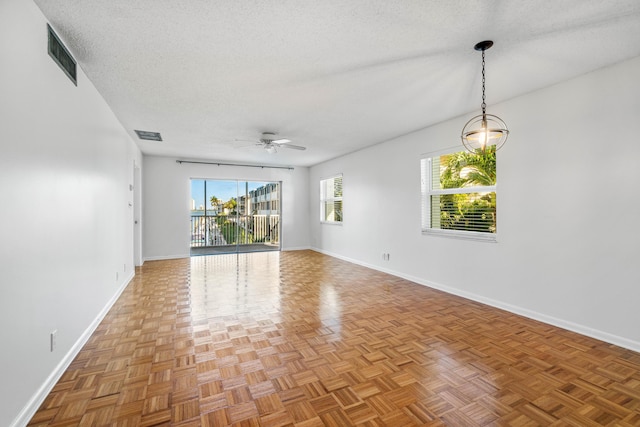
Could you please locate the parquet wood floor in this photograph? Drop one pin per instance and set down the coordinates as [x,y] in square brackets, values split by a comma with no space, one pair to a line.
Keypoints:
[302,339]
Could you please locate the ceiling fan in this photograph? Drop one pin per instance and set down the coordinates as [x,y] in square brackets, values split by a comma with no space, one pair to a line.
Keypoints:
[269,142]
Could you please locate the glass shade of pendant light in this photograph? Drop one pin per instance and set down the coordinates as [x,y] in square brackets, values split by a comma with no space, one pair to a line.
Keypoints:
[485,130]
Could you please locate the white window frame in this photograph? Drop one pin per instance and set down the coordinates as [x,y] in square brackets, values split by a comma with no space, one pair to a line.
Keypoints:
[427,190]
[326,198]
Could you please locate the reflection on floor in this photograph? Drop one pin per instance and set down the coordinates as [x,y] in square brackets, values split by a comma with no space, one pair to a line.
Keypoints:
[303,339]
[230,249]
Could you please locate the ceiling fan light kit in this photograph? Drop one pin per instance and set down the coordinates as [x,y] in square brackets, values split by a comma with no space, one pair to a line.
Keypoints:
[269,142]
[484,130]
[271,137]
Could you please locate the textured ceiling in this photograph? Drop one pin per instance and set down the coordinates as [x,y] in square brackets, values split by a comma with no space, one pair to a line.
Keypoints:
[331,75]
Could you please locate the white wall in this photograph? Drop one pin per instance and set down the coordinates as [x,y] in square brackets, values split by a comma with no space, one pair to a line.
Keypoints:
[568,242]
[167,203]
[65,222]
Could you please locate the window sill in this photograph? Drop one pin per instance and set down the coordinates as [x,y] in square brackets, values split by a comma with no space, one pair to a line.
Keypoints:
[463,235]
[331,222]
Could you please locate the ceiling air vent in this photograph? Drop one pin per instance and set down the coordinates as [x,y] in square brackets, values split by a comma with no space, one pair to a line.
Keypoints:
[61,55]
[149,136]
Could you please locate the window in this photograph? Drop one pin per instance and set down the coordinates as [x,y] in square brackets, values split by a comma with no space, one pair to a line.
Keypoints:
[459,194]
[331,199]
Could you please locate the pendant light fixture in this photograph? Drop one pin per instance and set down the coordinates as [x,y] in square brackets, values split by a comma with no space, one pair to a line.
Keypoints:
[484,130]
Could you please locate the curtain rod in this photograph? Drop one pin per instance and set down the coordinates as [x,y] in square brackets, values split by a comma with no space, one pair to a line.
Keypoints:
[234,164]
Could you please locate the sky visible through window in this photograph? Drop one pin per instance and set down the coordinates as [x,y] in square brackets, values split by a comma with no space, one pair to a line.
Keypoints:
[223,190]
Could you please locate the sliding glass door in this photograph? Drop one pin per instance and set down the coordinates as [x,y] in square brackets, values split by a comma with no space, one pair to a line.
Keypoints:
[234,216]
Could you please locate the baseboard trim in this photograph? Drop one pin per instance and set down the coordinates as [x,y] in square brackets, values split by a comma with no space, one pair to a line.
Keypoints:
[41,394]
[521,311]
[301,248]
[164,257]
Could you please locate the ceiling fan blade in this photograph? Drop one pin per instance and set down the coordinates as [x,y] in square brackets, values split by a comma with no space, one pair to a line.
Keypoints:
[281,141]
[295,147]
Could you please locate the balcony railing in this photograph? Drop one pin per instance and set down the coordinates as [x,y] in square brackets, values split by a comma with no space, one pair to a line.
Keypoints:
[222,230]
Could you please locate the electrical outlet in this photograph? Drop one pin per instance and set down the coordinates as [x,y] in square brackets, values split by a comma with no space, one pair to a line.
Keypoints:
[53,338]
[117,276]
[386,257]
[125,268]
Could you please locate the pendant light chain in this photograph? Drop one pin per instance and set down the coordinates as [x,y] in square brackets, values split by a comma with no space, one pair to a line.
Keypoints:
[484,104]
